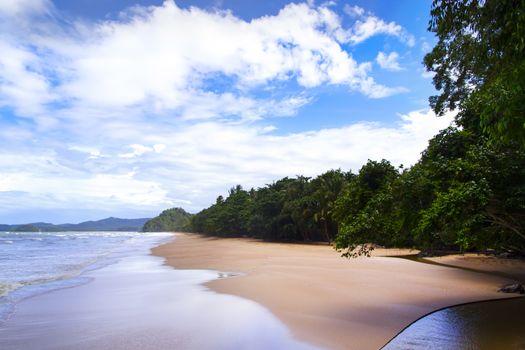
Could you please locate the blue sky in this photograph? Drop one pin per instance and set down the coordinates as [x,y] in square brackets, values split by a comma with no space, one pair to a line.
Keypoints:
[125,108]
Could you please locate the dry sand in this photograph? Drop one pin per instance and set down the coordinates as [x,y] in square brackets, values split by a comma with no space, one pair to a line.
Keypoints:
[327,300]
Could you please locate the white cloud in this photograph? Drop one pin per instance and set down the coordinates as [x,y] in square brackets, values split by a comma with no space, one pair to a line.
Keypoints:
[369,25]
[138,150]
[23,83]
[427,75]
[122,65]
[388,62]
[425,46]
[329,3]
[92,152]
[373,90]
[102,190]
[164,58]
[353,11]
[193,163]
[229,106]
[159,147]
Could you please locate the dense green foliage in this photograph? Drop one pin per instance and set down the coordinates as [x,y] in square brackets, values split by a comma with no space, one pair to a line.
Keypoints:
[364,208]
[291,209]
[170,220]
[479,63]
[464,193]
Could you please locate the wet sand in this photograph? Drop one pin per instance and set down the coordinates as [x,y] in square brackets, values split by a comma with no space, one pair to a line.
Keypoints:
[324,299]
[138,303]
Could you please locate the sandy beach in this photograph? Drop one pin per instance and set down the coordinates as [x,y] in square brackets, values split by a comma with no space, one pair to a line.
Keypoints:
[327,300]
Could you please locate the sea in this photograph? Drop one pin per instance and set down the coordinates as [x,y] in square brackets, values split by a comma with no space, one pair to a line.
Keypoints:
[103,290]
[33,263]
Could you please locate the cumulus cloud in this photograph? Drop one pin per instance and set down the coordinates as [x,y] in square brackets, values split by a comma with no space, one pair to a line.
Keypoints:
[368,25]
[388,62]
[165,58]
[290,44]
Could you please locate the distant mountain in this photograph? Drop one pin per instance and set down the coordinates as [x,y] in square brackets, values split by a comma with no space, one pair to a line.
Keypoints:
[109,224]
[170,220]
[32,227]
[43,226]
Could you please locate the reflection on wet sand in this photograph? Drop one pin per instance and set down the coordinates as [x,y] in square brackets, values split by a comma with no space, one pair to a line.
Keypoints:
[140,304]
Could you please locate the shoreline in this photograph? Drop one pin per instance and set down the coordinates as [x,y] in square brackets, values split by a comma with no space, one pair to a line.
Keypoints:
[327,300]
[138,303]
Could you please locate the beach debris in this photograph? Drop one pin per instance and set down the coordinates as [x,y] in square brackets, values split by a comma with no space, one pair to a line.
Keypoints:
[512,288]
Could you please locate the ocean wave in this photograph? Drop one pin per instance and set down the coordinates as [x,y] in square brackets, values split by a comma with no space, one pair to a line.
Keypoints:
[8,287]
[29,267]
[69,272]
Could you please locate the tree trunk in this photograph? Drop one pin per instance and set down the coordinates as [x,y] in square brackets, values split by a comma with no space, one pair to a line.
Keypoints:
[327,235]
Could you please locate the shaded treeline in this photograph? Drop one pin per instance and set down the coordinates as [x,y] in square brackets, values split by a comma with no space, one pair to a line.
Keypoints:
[464,193]
[290,209]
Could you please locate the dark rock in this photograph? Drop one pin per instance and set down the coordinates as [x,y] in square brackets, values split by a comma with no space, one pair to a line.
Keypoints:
[512,288]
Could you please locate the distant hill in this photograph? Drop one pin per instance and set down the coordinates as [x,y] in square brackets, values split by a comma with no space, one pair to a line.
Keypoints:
[109,224]
[26,228]
[32,227]
[44,226]
[170,220]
